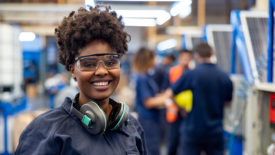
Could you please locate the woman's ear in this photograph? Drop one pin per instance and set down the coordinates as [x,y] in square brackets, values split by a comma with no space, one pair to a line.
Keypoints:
[72,70]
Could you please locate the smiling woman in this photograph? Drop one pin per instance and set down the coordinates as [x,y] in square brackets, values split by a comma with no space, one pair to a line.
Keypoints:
[96,82]
[90,45]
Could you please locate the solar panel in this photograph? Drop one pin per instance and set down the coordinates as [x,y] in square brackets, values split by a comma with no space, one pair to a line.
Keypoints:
[220,37]
[254,25]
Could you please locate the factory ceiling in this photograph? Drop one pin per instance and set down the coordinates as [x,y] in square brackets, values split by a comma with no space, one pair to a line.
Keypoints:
[43,15]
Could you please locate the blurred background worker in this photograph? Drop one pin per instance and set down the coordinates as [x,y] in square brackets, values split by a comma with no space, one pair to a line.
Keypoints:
[148,101]
[161,77]
[173,116]
[202,129]
[161,71]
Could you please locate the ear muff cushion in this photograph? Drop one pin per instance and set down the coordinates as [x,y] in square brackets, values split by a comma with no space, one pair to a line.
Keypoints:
[98,123]
[121,116]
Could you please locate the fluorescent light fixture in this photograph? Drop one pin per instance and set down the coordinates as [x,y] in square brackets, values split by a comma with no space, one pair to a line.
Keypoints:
[181,6]
[160,16]
[140,13]
[139,0]
[139,22]
[167,44]
[26,36]
[186,12]
[89,3]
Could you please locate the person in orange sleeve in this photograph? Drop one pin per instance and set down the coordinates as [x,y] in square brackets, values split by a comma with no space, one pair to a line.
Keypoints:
[173,115]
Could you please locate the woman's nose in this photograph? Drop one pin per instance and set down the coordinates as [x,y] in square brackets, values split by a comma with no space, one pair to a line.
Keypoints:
[101,69]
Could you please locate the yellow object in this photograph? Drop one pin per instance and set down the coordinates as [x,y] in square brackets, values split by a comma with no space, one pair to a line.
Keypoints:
[185,100]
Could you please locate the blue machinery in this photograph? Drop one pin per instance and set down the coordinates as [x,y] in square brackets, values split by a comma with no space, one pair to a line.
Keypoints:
[257,64]
[270,41]
[10,109]
[238,44]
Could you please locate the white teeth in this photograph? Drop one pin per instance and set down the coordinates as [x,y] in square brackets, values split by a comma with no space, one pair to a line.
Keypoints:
[100,83]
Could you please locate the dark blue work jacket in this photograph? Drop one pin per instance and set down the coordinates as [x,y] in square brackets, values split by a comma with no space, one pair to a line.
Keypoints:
[61,132]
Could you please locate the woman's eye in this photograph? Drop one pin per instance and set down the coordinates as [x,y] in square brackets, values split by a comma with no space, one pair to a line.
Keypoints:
[89,64]
[110,63]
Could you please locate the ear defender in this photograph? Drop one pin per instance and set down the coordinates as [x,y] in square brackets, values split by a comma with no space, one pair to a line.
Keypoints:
[92,117]
[121,115]
[94,120]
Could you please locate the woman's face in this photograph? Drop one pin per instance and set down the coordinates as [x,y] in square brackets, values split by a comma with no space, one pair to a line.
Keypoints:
[99,84]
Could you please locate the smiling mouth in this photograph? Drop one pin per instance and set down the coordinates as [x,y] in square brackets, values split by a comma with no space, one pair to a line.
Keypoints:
[101,85]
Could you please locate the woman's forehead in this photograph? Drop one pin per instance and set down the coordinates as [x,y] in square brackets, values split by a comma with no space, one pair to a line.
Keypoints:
[96,47]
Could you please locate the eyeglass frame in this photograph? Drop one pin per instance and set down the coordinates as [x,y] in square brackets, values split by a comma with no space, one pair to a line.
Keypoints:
[99,54]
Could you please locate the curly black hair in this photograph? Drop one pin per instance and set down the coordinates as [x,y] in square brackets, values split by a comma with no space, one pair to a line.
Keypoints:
[79,29]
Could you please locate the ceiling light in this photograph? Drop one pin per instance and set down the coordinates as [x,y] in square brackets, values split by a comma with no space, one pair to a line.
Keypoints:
[89,3]
[139,22]
[167,44]
[141,13]
[180,7]
[26,36]
[160,16]
[139,0]
[186,12]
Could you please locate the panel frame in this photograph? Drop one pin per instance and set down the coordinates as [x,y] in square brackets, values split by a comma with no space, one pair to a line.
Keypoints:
[216,27]
[243,16]
[188,39]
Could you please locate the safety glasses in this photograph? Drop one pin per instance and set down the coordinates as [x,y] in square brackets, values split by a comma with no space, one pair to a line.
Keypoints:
[91,62]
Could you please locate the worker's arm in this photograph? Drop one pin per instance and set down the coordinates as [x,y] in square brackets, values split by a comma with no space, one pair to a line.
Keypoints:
[156,102]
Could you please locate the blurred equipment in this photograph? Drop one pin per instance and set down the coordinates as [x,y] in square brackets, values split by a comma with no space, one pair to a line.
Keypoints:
[54,85]
[254,26]
[12,99]
[250,40]
[32,64]
[191,39]
[272,109]
[10,63]
[219,36]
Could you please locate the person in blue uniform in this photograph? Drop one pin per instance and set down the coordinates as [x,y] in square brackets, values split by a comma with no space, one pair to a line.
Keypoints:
[202,129]
[148,99]
[184,59]
[90,43]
